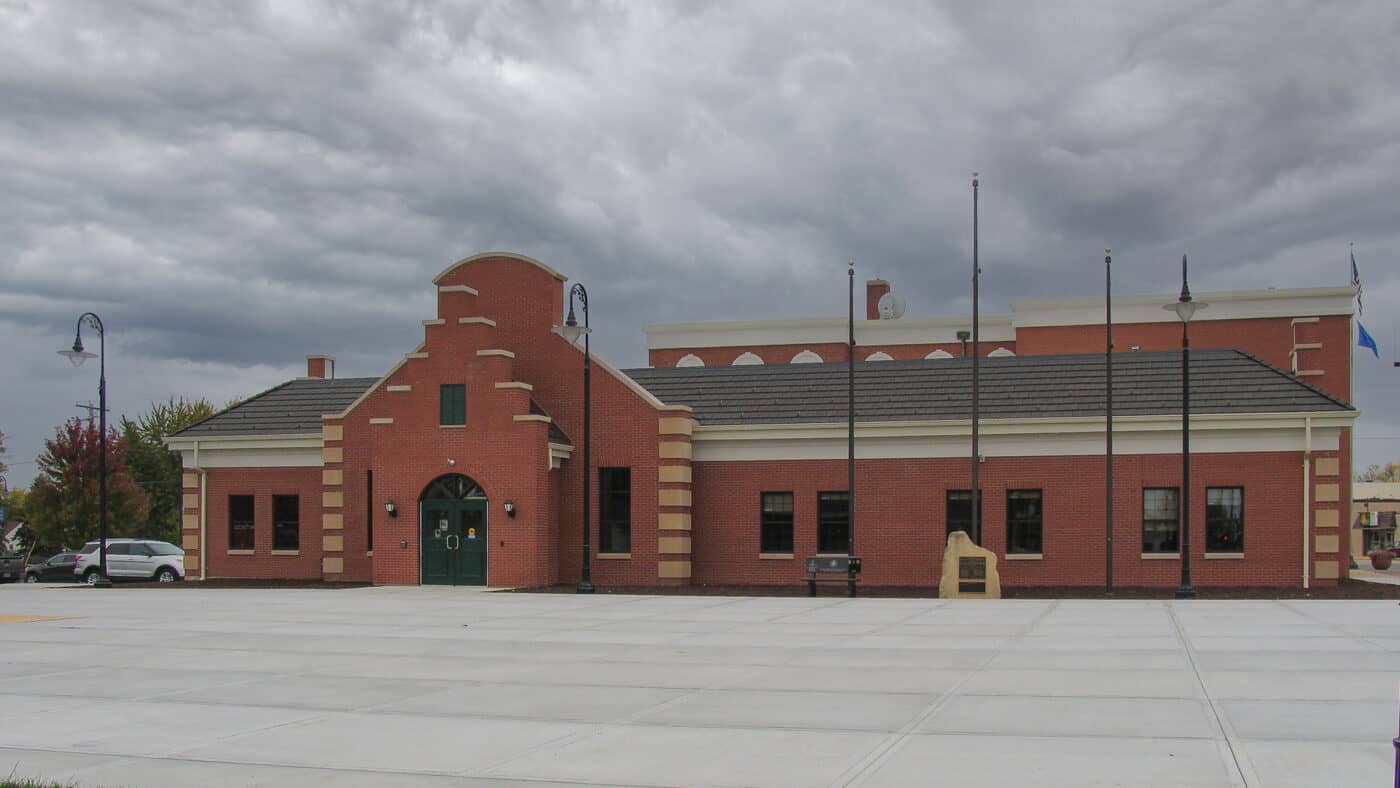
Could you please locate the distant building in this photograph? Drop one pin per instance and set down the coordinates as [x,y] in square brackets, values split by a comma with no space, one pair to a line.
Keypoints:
[1376,505]
[723,463]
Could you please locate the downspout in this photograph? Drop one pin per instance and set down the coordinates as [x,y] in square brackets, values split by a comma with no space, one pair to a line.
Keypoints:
[203,514]
[1307,458]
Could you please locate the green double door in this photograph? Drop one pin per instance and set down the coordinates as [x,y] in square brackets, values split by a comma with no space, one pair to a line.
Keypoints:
[454,543]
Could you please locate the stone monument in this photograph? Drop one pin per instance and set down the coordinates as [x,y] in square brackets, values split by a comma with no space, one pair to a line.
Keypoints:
[969,571]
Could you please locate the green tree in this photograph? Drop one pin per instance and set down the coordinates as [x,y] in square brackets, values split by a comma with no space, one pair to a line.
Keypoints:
[1379,473]
[62,506]
[156,468]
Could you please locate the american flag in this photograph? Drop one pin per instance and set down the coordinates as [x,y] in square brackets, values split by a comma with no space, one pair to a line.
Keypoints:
[1356,283]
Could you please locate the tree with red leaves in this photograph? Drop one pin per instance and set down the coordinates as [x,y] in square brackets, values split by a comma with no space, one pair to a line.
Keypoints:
[63,502]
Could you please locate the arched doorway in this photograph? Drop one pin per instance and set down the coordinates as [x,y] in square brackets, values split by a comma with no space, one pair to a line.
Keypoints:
[453,532]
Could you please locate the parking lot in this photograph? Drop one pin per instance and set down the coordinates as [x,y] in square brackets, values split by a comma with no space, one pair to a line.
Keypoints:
[191,686]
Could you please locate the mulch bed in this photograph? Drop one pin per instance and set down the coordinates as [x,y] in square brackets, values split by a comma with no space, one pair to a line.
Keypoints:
[1347,589]
[240,584]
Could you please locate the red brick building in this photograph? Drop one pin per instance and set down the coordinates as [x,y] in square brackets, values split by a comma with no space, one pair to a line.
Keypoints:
[724,462]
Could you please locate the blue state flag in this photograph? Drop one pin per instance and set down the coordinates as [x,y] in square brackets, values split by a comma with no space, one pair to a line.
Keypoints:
[1364,339]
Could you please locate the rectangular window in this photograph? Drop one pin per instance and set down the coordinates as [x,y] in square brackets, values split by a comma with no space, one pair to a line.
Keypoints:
[833,522]
[240,522]
[775,527]
[1161,524]
[959,517]
[1224,519]
[286,522]
[452,404]
[614,510]
[1024,522]
[369,510]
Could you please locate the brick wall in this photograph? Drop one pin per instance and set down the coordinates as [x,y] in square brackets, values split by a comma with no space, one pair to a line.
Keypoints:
[901,510]
[829,351]
[262,484]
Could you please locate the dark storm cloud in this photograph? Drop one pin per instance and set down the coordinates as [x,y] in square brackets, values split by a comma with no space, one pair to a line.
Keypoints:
[236,185]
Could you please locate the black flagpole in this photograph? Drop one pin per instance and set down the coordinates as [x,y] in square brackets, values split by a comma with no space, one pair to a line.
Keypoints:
[1108,416]
[976,453]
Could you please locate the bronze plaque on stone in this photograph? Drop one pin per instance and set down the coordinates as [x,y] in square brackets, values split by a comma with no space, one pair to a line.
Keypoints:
[972,573]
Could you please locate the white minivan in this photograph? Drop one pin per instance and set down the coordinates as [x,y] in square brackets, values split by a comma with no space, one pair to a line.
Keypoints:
[143,559]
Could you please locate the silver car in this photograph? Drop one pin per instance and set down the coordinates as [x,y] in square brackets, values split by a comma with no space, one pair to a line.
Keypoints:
[132,559]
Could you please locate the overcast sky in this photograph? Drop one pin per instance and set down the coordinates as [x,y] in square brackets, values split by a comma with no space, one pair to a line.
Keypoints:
[233,186]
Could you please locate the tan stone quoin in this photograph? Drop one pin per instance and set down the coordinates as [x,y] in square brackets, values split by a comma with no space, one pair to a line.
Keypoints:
[1325,518]
[1327,493]
[1327,466]
[675,450]
[1326,543]
[673,474]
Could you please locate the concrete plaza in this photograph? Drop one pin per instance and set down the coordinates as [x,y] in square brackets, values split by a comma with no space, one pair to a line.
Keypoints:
[187,686]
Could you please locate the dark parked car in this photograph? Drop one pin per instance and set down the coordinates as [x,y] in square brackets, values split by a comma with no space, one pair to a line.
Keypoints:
[58,568]
[10,568]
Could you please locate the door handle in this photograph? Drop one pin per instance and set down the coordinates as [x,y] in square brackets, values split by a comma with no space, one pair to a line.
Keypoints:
[453,545]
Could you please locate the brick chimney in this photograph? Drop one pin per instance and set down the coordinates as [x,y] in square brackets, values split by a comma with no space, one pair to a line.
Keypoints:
[874,288]
[317,367]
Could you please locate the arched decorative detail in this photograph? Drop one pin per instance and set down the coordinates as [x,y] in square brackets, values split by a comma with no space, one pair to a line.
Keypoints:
[1000,352]
[807,357]
[879,355]
[747,359]
[690,360]
[437,280]
[940,353]
[453,487]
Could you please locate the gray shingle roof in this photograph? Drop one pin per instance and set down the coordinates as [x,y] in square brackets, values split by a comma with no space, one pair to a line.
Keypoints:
[291,408]
[1222,381]
[296,407]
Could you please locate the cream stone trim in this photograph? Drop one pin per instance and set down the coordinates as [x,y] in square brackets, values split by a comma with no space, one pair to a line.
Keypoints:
[673,545]
[1326,543]
[189,481]
[613,556]
[189,541]
[417,355]
[382,420]
[676,409]
[485,321]
[776,556]
[515,384]
[675,450]
[1158,556]
[452,426]
[1001,352]
[679,498]
[286,552]
[673,474]
[678,570]
[332,454]
[1327,493]
[747,359]
[332,477]
[879,355]
[806,332]
[1034,437]
[333,565]
[673,521]
[189,522]
[1327,466]
[1325,518]
[940,353]
[437,321]
[690,360]
[400,387]
[332,521]
[192,565]
[487,255]
[528,417]
[1310,373]
[1227,305]
[332,432]
[807,356]
[332,499]
[466,289]
[238,552]
[676,426]
[1024,556]
[189,501]
[496,352]
[1308,345]
[1326,570]
[558,452]
[1224,556]
[333,543]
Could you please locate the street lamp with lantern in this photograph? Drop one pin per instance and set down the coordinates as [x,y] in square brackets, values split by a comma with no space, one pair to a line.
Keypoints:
[78,355]
[1185,309]
[571,331]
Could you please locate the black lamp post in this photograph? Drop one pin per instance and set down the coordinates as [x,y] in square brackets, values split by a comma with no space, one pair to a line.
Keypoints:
[571,331]
[1185,309]
[77,355]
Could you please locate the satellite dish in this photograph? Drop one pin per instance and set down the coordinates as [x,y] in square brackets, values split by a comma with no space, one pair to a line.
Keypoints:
[890,307]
